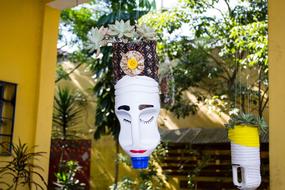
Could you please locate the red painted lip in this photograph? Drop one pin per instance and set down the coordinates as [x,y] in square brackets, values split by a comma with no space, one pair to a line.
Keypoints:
[138,151]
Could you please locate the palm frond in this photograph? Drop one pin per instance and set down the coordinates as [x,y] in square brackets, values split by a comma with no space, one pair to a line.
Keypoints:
[21,167]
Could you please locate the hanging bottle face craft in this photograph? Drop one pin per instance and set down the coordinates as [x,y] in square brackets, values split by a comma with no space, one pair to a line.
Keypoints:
[137,102]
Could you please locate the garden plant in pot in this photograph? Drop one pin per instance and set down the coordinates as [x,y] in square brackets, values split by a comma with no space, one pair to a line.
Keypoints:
[243,132]
[137,102]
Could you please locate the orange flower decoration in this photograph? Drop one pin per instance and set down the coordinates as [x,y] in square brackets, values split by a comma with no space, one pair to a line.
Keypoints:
[132,63]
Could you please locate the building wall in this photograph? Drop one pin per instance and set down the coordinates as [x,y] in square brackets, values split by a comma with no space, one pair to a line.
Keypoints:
[277,93]
[28,34]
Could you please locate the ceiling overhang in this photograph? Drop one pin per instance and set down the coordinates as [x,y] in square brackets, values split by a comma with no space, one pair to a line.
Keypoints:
[65,4]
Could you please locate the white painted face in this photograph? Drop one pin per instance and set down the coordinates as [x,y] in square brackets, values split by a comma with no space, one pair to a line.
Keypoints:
[137,107]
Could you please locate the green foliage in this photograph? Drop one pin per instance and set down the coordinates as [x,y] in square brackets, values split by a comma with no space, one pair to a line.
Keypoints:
[126,184]
[151,178]
[80,20]
[66,112]
[196,171]
[166,20]
[182,107]
[61,73]
[247,119]
[66,176]
[214,57]
[229,53]
[192,70]
[22,168]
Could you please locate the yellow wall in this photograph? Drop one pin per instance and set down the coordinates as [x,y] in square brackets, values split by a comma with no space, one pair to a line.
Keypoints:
[28,57]
[277,93]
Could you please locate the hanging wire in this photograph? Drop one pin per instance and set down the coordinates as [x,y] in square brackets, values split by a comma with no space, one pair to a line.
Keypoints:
[248,78]
[240,87]
[236,64]
[248,93]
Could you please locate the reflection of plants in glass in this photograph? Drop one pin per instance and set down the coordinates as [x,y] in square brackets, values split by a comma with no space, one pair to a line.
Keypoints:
[66,112]
[22,168]
[66,176]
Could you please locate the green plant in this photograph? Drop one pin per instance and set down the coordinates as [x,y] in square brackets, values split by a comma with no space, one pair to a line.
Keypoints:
[22,168]
[61,73]
[66,112]
[120,31]
[126,184]
[66,176]
[247,119]
[196,171]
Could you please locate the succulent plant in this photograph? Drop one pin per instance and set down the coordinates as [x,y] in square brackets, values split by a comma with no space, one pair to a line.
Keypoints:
[121,29]
[97,38]
[146,32]
[247,119]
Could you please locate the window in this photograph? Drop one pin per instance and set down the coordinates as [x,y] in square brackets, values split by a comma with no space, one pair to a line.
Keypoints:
[7,113]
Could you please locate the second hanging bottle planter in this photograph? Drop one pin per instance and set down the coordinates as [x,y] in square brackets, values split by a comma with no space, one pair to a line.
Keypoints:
[243,132]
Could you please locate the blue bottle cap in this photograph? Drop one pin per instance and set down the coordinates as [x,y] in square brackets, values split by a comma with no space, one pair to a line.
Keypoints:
[140,162]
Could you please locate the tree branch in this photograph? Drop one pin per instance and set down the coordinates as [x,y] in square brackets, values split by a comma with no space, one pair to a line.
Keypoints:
[70,72]
[218,62]
[265,104]
[229,8]
[266,101]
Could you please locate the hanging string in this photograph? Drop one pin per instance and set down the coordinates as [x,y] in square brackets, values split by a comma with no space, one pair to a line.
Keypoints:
[236,64]
[248,78]
[240,86]
[248,93]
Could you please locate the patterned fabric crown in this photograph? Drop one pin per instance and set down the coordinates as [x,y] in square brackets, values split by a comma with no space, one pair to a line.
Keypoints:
[135,59]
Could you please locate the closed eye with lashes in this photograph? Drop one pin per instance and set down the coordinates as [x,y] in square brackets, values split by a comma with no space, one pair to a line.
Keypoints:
[126,120]
[148,121]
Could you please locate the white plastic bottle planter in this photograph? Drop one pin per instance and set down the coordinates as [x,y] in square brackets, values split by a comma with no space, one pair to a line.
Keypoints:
[137,102]
[137,111]
[245,156]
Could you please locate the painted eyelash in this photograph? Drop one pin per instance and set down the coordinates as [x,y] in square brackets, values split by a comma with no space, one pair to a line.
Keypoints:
[148,121]
[125,120]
